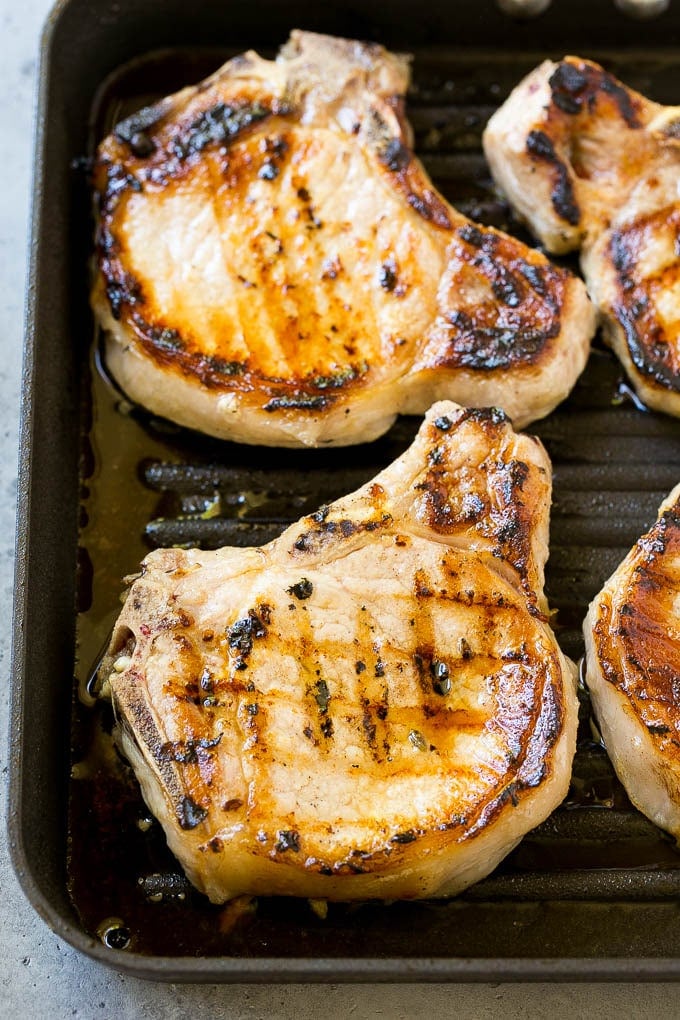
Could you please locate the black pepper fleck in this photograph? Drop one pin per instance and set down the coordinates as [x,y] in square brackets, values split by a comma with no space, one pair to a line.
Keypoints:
[287,839]
[302,590]
[441,681]
[190,814]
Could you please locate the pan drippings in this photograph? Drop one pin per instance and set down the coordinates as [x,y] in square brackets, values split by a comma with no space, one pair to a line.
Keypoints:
[146,483]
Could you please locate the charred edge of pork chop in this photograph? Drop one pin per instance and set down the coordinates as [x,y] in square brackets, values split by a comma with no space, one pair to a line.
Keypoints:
[578,86]
[523,287]
[581,92]
[162,144]
[495,512]
[641,335]
[512,328]
[590,163]
[503,306]
[632,666]
[496,524]
[542,146]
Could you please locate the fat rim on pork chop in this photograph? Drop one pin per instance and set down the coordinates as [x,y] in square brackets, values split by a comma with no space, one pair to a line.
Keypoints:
[371,706]
[274,266]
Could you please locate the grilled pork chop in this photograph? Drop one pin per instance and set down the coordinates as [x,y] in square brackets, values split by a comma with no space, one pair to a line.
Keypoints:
[274,265]
[372,705]
[632,636]
[590,164]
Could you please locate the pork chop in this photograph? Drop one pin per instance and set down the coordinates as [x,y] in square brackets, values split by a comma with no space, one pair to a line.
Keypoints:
[274,266]
[371,706]
[591,164]
[632,636]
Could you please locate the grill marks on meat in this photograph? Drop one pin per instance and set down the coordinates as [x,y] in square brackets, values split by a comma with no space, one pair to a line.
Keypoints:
[642,264]
[373,705]
[591,164]
[275,266]
[633,668]
[502,307]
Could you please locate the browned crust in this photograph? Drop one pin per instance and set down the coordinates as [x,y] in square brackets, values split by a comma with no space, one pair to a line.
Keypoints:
[541,149]
[157,148]
[505,517]
[173,148]
[579,86]
[500,506]
[636,649]
[653,350]
[517,325]
[581,92]
[527,682]
[605,161]
[406,175]
[496,503]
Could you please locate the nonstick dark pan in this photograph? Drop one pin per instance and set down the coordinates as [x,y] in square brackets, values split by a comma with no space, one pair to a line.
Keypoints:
[592,893]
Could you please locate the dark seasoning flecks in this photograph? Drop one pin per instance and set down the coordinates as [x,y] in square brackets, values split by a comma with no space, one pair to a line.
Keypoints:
[119,865]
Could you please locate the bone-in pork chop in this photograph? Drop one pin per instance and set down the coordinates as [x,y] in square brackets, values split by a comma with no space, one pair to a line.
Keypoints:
[633,668]
[274,265]
[590,164]
[372,705]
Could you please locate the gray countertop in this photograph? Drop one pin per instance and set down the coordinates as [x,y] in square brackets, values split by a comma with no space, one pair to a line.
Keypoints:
[40,976]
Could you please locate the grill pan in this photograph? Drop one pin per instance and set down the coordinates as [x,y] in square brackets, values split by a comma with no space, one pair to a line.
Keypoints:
[593,892]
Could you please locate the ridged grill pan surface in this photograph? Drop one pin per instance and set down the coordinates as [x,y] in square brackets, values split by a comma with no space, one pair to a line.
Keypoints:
[596,881]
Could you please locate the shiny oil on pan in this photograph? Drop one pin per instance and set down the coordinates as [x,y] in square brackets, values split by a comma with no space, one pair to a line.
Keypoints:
[593,891]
